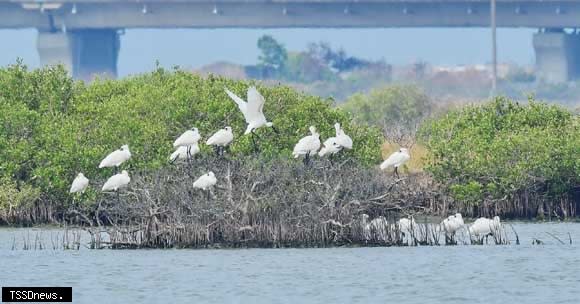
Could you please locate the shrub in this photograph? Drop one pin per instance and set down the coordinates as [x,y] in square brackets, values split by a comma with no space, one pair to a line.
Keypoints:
[498,149]
[52,127]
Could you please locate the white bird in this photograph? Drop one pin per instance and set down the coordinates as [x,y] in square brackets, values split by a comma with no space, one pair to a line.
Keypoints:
[407,225]
[116,158]
[342,139]
[182,152]
[79,184]
[396,160]
[205,181]
[330,146]
[221,139]
[307,145]
[117,181]
[484,227]
[452,223]
[189,138]
[253,110]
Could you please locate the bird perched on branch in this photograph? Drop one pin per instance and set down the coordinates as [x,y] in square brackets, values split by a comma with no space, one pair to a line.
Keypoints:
[341,138]
[307,145]
[396,160]
[188,139]
[221,139]
[117,181]
[182,152]
[79,184]
[253,111]
[116,158]
[205,181]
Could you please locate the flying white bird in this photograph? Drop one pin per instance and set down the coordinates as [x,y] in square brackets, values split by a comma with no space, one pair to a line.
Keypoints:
[342,139]
[221,139]
[189,139]
[117,181]
[181,152]
[116,158]
[330,146]
[253,111]
[307,145]
[205,181]
[79,184]
[396,160]
[484,227]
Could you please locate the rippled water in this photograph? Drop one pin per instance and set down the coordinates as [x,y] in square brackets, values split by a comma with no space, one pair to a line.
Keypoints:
[548,273]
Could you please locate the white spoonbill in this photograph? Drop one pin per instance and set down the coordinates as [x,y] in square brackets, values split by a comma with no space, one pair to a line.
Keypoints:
[189,138]
[221,139]
[181,152]
[396,160]
[484,227]
[450,226]
[117,181]
[330,146]
[116,158]
[205,181]
[307,145]
[79,184]
[343,140]
[253,111]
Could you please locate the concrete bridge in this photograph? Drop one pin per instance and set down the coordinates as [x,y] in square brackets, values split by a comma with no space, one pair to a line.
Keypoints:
[84,34]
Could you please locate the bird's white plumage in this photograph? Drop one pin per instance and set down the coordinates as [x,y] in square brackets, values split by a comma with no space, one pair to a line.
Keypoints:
[253,109]
[116,158]
[484,226]
[79,184]
[307,145]
[181,152]
[117,181]
[188,138]
[342,139]
[205,181]
[453,223]
[396,159]
[407,225]
[222,137]
[330,146]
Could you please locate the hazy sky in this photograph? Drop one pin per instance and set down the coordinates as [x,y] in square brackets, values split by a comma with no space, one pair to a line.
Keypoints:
[193,48]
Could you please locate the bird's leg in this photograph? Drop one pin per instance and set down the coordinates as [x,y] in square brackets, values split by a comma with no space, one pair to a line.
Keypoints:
[275,130]
[116,169]
[254,141]
[307,159]
[216,149]
[118,197]
[396,172]
[330,157]
[208,195]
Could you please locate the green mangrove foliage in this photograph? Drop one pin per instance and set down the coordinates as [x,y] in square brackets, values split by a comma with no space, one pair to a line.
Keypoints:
[398,110]
[52,127]
[494,151]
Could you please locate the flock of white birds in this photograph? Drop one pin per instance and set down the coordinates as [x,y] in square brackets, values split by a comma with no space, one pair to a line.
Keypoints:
[482,227]
[187,146]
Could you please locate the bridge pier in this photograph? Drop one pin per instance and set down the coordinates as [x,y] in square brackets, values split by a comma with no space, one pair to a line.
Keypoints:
[84,53]
[557,55]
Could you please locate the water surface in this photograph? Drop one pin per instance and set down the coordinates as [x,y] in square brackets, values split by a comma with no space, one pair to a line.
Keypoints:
[548,273]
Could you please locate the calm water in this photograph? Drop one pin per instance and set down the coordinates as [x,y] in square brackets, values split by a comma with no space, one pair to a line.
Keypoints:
[548,273]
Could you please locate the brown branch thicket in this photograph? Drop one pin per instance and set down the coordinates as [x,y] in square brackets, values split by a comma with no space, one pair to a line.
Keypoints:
[262,204]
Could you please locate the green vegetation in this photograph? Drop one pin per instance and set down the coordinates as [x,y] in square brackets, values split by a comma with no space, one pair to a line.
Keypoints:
[397,110]
[52,127]
[495,151]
